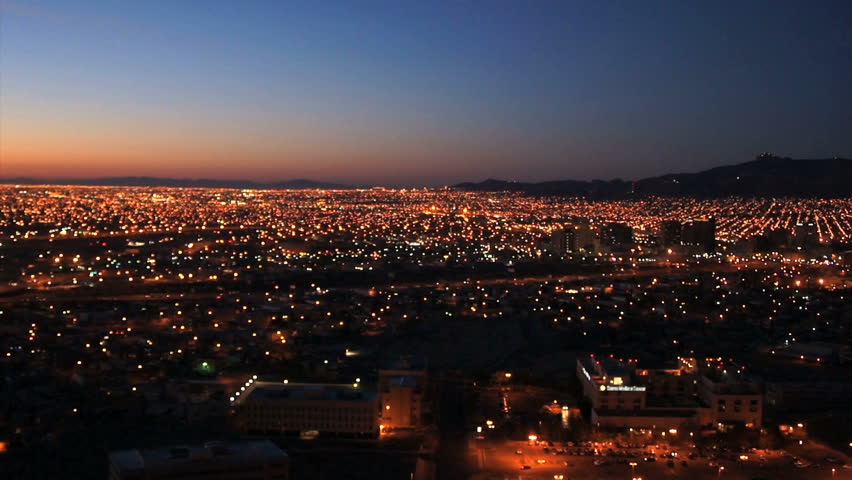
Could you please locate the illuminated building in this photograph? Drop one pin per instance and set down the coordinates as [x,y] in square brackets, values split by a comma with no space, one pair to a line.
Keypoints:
[732,400]
[608,384]
[671,233]
[700,233]
[402,388]
[562,240]
[617,234]
[292,409]
[623,396]
[402,401]
[573,239]
[805,234]
[669,383]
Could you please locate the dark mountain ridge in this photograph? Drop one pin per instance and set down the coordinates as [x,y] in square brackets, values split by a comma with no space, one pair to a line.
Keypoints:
[766,176]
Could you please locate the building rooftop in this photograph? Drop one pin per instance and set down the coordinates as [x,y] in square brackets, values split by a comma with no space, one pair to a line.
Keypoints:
[404,381]
[730,384]
[608,370]
[406,363]
[211,452]
[306,391]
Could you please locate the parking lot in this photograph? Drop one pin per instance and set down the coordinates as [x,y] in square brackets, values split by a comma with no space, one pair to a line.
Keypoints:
[523,460]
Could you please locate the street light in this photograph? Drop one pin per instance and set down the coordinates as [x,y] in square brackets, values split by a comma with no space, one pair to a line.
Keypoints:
[719,473]
[633,468]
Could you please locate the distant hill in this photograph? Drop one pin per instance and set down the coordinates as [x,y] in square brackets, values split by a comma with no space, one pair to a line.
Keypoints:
[579,188]
[766,176]
[296,184]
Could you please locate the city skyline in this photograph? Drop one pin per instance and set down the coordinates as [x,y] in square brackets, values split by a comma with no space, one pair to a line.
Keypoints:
[419,94]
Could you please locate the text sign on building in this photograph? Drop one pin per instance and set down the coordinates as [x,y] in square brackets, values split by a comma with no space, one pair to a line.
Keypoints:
[614,388]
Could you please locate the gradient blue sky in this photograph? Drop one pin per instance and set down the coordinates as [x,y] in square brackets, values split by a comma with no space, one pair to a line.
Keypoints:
[420,92]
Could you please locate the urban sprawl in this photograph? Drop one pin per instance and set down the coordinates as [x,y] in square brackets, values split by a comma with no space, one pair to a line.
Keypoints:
[422,334]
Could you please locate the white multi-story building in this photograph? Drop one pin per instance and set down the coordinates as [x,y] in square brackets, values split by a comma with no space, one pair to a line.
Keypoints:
[623,396]
[300,408]
[608,385]
[732,400]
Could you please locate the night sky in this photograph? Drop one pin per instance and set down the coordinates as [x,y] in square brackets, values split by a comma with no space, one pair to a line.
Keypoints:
[420,92]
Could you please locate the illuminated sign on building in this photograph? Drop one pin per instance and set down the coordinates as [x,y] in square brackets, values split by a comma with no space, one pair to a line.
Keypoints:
[613,388]
[588,377]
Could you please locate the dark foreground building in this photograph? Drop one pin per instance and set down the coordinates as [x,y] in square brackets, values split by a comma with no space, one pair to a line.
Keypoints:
[260,460]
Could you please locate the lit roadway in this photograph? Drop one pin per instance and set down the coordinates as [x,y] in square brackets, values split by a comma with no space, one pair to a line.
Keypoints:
[649,271]
[132,290]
